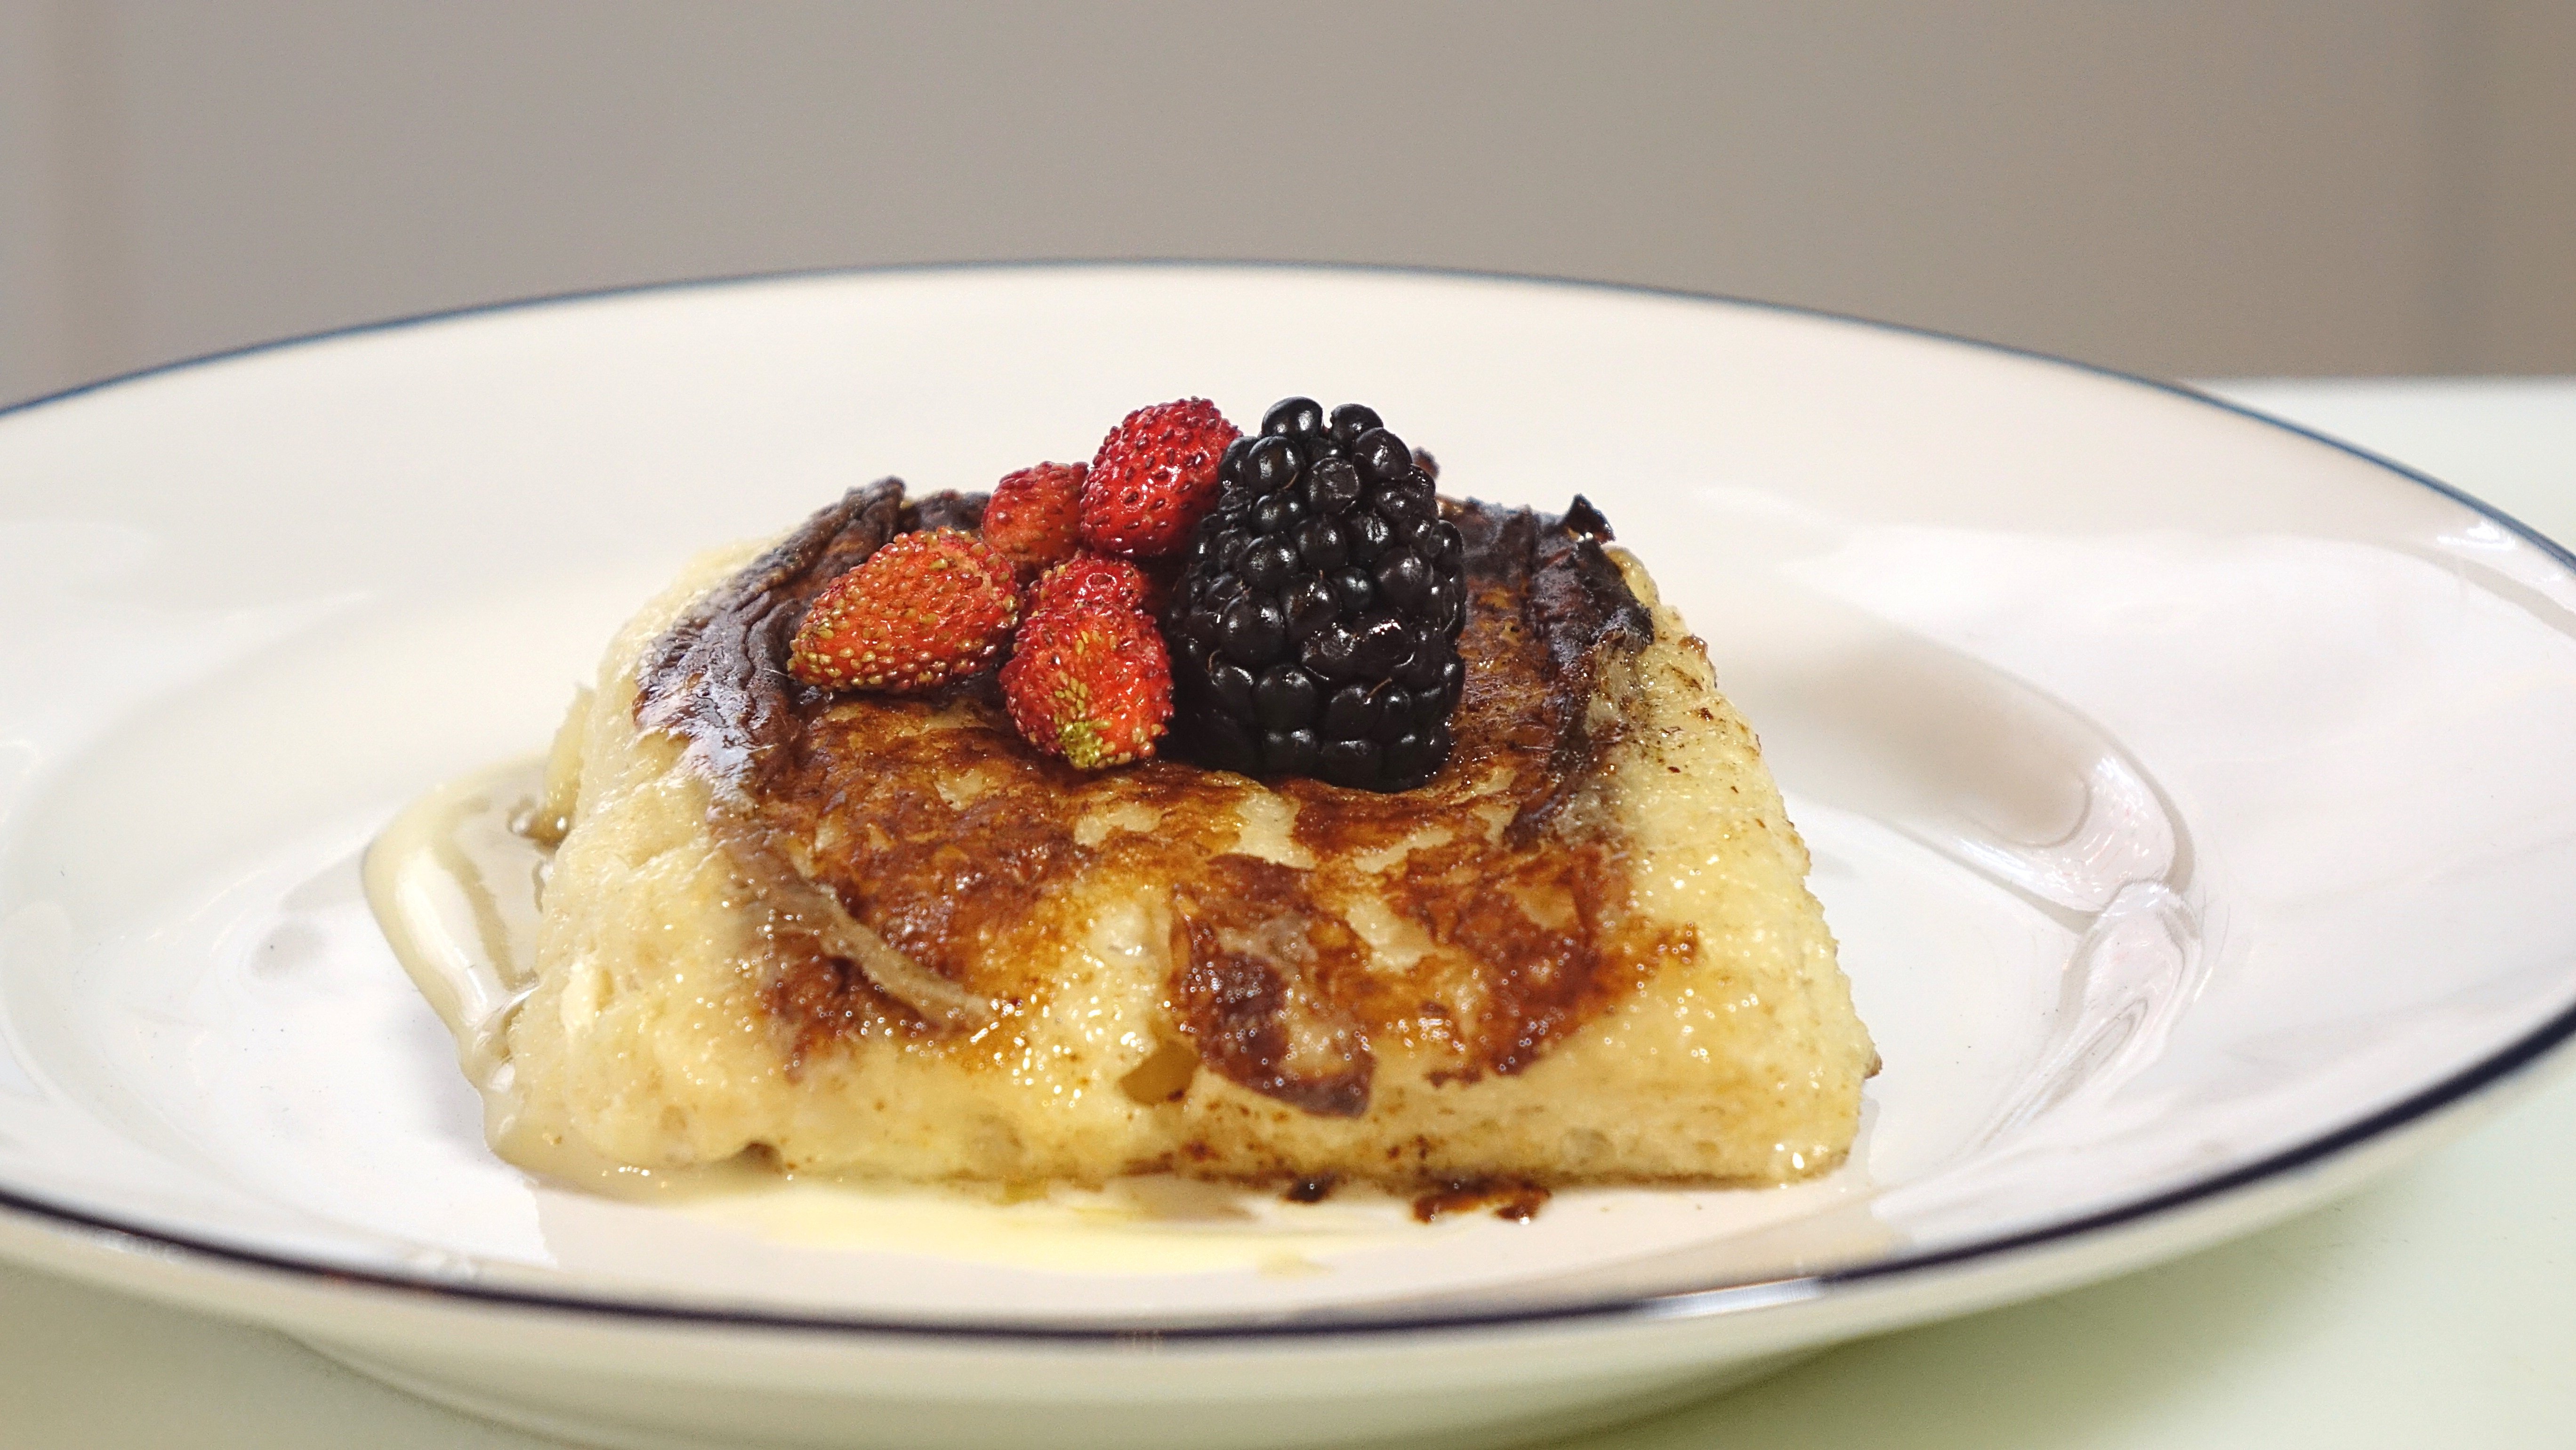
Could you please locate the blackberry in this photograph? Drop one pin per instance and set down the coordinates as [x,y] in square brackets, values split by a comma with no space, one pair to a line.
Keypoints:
[1315,628]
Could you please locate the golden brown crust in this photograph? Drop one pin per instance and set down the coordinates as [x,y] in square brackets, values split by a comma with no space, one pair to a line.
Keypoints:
[1503,884]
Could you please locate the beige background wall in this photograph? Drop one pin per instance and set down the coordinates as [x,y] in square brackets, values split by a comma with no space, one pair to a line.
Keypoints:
[2192,187]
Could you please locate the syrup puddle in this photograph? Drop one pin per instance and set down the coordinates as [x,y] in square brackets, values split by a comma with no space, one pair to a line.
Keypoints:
[454,882]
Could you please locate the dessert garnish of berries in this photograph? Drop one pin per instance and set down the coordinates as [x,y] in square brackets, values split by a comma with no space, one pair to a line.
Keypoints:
[1088,679]
[1315,628]
[1311,630]
[1033,516]
[928,608]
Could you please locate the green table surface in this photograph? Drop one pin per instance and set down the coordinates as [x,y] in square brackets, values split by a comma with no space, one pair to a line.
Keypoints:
[2436,1307]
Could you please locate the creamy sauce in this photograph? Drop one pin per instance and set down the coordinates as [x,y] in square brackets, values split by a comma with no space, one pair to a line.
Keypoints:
[455,882]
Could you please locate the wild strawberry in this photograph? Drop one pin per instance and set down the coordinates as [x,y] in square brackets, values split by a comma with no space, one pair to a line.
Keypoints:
[1088,581]
[1032,515]
[1092,684]
[997,568]
[1154,477]
[925,609]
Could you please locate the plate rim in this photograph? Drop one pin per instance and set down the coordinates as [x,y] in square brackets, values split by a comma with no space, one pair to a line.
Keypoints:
[2429,1104]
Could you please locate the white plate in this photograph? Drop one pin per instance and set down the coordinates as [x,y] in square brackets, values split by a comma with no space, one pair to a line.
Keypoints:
[2191,796]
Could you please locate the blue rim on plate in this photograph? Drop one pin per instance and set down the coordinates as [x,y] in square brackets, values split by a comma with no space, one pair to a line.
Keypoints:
[1688,1303]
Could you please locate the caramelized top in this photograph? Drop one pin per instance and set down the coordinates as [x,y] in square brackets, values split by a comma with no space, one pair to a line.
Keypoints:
[1470,923]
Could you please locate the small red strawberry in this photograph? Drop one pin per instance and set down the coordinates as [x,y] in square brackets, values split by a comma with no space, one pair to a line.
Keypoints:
[1154,478]
[1032,515]
[925,609]
[996,567]
[1092,684]
[1087,581]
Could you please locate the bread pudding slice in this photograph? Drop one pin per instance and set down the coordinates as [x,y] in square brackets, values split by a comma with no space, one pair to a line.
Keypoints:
[882,936]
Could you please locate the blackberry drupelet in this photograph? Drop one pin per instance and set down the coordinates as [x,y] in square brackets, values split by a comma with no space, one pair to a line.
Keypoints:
[1315,629]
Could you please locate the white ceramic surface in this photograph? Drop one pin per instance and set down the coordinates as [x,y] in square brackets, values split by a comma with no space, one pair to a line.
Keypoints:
[2183,790]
